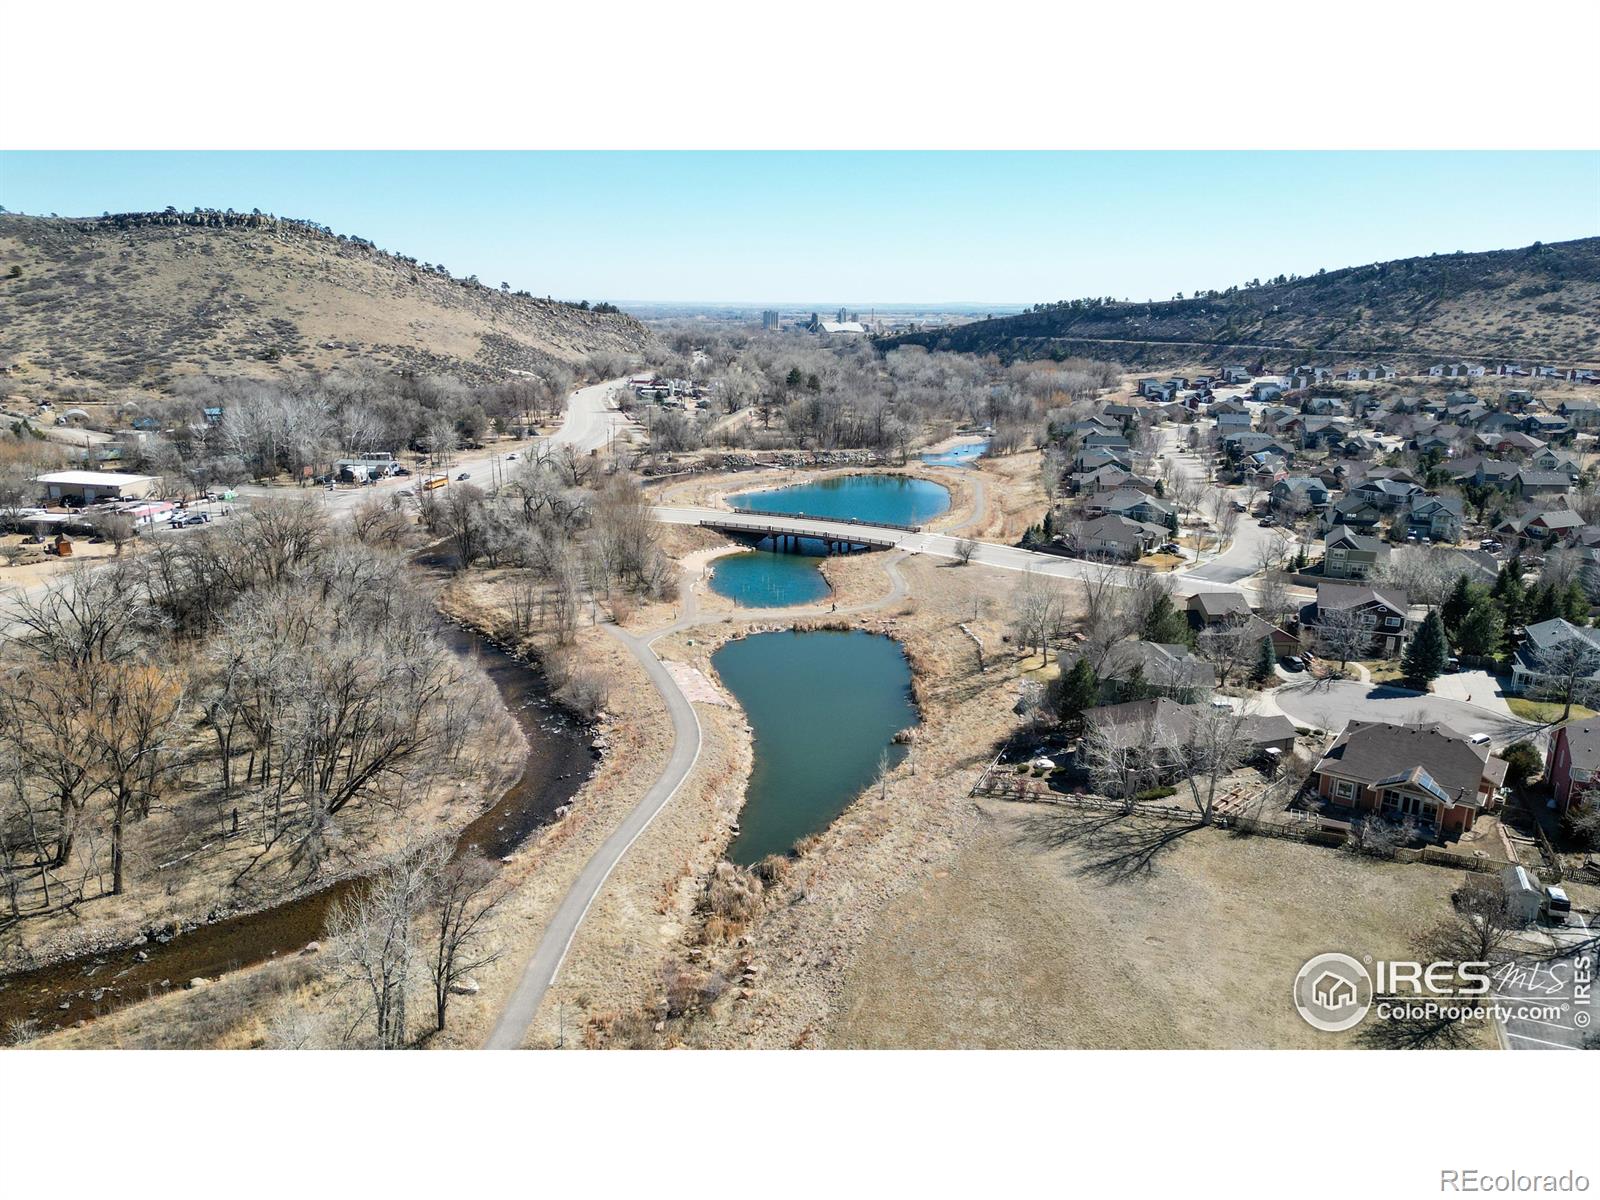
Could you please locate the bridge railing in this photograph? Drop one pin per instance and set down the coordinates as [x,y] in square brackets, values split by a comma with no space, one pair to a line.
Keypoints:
[854,539]
[794,516]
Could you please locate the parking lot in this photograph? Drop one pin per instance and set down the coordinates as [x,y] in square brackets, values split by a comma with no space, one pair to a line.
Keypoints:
[1562,978]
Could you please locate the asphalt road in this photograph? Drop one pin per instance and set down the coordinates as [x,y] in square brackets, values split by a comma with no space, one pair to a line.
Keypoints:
[940,545]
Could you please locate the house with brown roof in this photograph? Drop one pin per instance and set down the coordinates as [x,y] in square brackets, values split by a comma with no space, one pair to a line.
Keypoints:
[1383,610]
[1216,608]
[1424,772]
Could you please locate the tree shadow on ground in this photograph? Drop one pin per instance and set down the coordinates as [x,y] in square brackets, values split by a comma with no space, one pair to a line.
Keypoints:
[1419,1033]
[1114,847]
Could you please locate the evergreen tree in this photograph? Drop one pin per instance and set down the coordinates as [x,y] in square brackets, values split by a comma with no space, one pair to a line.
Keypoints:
[1575,604]
[1265,661]
[1457,605]
[1079,690]
[1426,654]
[1544,602]
[1164,624]
[1481,633]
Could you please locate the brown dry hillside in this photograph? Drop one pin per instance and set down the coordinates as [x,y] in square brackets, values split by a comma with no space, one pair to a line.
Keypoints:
[134,300]
[1539,303]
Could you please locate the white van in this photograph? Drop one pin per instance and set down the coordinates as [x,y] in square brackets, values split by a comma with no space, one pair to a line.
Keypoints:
[1556,907]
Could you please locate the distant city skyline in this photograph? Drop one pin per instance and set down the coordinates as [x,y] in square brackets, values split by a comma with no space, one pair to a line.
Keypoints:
[968,230]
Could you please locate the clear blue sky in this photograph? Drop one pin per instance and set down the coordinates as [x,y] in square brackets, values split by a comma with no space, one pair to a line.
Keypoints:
[863,227]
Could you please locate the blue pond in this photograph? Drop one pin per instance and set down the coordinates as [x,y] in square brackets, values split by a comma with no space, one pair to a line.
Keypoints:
[886,499]
[825,706]
[768,579]
[957,456]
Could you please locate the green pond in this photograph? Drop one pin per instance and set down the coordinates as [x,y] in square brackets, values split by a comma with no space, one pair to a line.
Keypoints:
[825,706]
[769,579]
[875,499]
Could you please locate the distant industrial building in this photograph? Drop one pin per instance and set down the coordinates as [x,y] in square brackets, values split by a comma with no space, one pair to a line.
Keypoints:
[89,486]
[769,318]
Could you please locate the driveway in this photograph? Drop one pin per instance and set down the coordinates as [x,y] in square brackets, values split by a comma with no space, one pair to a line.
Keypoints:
[1477,687]
[1332,704]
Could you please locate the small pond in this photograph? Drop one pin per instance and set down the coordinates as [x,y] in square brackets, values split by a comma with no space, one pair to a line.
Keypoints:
[825,706]
[964,455]
[769,579]
[883,499]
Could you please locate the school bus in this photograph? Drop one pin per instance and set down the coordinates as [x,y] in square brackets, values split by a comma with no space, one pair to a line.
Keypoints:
[433,482]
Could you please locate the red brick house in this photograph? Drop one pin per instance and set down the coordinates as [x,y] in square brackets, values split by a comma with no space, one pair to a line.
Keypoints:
[1421,771]
[1574,762]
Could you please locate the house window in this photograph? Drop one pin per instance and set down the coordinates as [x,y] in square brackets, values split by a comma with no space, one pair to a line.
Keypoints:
[1393,622]
[1344,789]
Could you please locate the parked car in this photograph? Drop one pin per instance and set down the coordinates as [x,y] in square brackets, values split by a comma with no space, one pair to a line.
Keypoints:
[1556,907]
[1237,507]
[1267,522]
[1294,663]
[463,475]
[406,492]
[402,470]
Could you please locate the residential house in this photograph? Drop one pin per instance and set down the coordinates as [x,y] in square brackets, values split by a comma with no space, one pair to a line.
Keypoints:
[1433,443]
[1300,491]
[1088,460]
[1160,723]
[1425,773]
[1216,608]
[1437,517]
[1232,417]
[1510,442]
[1284,643]
[1483,472]
[1350,555]
[1382,609]
[1102,441]
[1136,506]
[1109,478]
[1266,390]
[1387,494]
[1574,763]
[1161,669]
[1539,485]
[1117,537]
[1554,651]
[1538,526]
[1554,460]
[1234,374]
[1353,512]
[1580,414]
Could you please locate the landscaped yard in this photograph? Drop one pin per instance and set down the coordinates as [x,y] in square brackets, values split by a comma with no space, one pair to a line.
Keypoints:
[1546,712]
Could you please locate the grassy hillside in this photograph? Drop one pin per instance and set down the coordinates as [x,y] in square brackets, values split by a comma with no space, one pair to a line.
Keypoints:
[132,301]
[1538,303]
